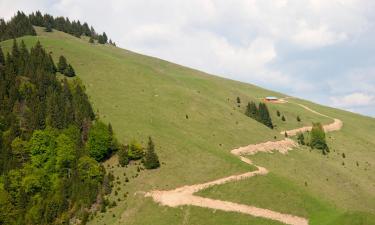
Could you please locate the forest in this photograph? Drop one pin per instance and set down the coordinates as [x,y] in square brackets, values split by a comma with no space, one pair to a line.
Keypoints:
[21,24]
[50,142]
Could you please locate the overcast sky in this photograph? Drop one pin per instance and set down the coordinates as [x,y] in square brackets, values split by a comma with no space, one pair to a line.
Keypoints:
[322,50]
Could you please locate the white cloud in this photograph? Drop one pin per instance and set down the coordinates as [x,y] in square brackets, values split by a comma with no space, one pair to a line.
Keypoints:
[318,37]
[237,39]
[353,100]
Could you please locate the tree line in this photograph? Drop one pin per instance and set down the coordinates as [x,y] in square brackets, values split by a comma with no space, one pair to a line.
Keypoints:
[259,113]
[21,24]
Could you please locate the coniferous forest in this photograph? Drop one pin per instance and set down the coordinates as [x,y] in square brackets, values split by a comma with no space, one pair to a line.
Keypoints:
[260,113]
[22,24]
[48,171]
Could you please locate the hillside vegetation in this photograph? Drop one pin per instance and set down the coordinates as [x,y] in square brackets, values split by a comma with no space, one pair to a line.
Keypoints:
[194,120]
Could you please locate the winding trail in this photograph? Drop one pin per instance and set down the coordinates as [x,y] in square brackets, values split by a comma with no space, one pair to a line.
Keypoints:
[185,195]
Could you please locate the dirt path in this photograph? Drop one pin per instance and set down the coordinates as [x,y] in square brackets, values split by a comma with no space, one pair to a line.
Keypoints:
[185,195]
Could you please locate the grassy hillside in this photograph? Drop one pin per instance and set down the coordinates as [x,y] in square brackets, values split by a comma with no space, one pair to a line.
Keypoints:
[144,96]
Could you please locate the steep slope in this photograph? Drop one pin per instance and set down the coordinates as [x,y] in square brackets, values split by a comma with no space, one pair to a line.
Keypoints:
[194,120]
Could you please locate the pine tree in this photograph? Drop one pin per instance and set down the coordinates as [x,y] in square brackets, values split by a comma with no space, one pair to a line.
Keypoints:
[278,113]
[69,71]
[62,65]
[301,139]
[283,118]
[318,138]
[123,155]
[2,59]
[105,38]
[48,27]
[151,160]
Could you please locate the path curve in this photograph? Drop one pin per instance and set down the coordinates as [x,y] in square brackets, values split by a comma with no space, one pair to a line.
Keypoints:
[185,195]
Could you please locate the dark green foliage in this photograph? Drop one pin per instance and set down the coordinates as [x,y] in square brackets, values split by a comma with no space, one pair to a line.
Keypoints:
[283,118]
[69,72]
[318,138]
[278,113]
[91,40]
[151,160]
[260,113]
[2,58]
[123,157]
[301,139]
[19,25]
[135,151]
[45,171]
[62,64]
[48,27]
[298,119]
[75,28]
[238,100]
[100,141]
[102,39]
[285,134]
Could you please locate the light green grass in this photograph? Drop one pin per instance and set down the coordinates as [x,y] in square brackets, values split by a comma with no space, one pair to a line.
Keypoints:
[144,96]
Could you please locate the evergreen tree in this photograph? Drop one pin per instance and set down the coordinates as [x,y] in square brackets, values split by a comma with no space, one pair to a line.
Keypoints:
[48,27]
[301,139]
[151,160]
[123,156]
[62,65]
[238,100]
[283,118]
[264,115]
[278,113]
[298,119]
[105,38]
[318,138]
[2,59]
[69,71]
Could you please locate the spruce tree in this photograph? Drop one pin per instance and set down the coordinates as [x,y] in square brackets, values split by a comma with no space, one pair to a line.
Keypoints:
[48,27]
[151,160]
[301,139]
[318,138]
[2,59]
[62,65]
[283,118]
[278,113]
[69,71]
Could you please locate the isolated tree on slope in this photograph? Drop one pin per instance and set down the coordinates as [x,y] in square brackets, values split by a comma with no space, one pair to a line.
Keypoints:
[151,160]
[318,138]
[62,65]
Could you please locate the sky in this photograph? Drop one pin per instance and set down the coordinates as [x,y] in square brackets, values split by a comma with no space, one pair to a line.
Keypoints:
[321,50]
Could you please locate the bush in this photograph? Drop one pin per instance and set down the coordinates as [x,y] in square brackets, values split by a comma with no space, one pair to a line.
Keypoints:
[135,151]
[123,157]
[99,144]
[318,138]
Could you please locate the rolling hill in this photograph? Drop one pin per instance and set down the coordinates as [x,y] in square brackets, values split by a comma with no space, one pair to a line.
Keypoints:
[195,122]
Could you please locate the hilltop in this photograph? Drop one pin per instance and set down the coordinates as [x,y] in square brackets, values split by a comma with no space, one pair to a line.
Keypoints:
[195,122]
